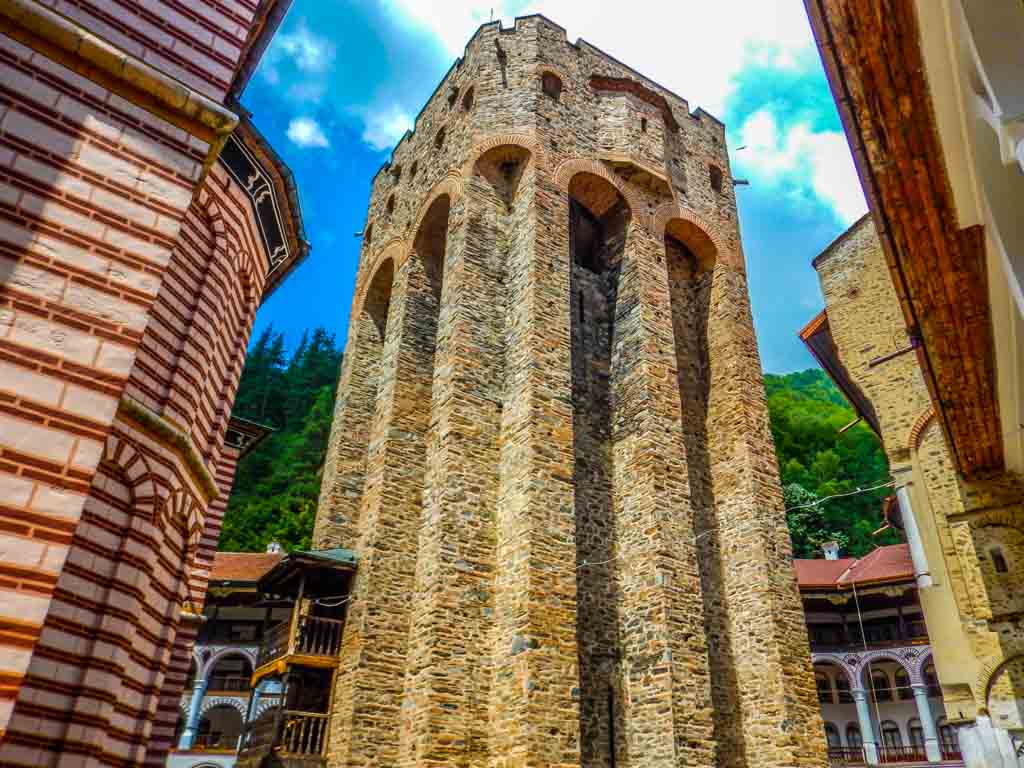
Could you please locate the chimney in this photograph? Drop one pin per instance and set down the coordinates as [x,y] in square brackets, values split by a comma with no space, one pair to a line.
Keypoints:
[831,550]
[273,548]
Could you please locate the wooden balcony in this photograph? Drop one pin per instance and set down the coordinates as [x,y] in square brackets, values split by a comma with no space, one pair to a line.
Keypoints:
[841,756]
[309,641]
[911,753]
[295,739]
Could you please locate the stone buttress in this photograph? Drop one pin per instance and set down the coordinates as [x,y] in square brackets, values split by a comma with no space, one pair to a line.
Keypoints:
[551,448]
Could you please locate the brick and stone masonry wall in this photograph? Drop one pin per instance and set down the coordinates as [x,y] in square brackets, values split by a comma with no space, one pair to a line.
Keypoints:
[969,596]
[550,447]
[119,353]
[102,681]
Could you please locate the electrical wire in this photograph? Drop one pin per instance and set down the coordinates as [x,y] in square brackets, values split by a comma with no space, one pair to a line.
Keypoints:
[815,503]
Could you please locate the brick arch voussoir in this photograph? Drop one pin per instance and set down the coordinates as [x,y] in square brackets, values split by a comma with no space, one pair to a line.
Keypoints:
[263,705]
[568,169]
[136,471]
[989,673]
[921,662]
[921,424]
[452,185]
[247,654]
[397,250]
[526,141]
[665,212]
[836,660]
[909,666]
[221,701]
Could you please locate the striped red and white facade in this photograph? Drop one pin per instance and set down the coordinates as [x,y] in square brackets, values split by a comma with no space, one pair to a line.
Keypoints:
[141,225]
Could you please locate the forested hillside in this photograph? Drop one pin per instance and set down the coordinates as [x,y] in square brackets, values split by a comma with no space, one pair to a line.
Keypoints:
[807,412]
[277,485]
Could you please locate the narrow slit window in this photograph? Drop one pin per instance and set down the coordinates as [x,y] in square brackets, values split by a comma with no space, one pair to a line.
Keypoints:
[999,561]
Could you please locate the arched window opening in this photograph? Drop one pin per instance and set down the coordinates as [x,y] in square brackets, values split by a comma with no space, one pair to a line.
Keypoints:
[598,216]
[219,728]
[949,742]
[891,736]
[396,173]
[230,673]
[453,96]
[715,176]
[824,686]
[413,170]
[503,168]
[467,100]
[832,736]
[391,204]
[915,732]
[439,139]
[880,688]
[853,737]
[551,84]
[903,689]
[598,221]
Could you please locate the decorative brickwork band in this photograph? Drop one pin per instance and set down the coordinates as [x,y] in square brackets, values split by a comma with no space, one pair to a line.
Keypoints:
[567,169]
[920,425]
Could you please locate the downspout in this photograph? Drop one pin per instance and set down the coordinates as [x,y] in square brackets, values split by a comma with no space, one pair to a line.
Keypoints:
[921,573]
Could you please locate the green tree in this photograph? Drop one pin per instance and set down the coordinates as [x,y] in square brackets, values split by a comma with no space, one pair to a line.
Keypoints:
[807,413]
[277,484]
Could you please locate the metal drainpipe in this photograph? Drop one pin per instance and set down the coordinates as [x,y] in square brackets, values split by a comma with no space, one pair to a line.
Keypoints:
[921,572]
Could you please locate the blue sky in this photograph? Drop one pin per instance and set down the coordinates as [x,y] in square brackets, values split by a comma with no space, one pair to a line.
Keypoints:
[343,79]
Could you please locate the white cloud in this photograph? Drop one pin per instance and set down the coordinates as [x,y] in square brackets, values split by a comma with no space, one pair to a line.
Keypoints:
[384,126]
[696,49]
[801,161]
[306,132]
[692,47]
[303,55]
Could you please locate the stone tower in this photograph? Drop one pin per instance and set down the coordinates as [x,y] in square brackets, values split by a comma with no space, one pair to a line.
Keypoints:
[550,447]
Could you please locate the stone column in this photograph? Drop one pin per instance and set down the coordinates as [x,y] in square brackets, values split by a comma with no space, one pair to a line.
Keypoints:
[757,602]
[668,707]
[188,736]
[369,684]
[445,711]
[867,731]
[534,698]
[924,714]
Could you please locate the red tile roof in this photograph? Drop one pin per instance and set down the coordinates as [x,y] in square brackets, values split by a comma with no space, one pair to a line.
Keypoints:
[820,572]
[242,566]
[889,563]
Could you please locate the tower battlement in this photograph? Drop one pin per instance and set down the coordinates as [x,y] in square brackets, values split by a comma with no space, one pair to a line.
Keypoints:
[550,447]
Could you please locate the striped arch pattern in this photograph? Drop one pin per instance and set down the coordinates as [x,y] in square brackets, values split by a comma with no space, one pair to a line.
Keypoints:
[136,472]
[481,148]
[234,702]
[263,705]
[668,211]
[990,673]
[204,669]
[920,425]
[397,250]
[567,169]
[913,660]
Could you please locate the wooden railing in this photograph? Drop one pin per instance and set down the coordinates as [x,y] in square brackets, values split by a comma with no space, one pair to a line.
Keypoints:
[912,753]
[314,636]
[275,643]
[318,636]
[950,752]
[228,683]
[838,756]
[303,733]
